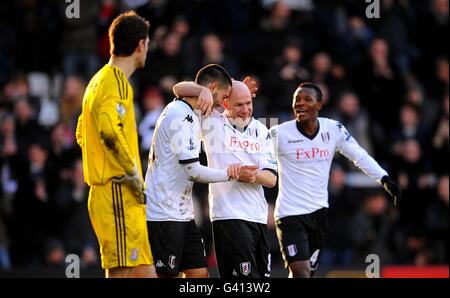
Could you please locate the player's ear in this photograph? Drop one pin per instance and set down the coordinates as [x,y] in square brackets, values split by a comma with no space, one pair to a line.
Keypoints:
[319,105]
[142,44]
[212,86]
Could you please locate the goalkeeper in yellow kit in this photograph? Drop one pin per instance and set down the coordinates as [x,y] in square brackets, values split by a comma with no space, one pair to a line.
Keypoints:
[106,132]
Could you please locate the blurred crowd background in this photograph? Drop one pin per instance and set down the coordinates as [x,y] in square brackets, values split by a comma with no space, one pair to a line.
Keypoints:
[385,79]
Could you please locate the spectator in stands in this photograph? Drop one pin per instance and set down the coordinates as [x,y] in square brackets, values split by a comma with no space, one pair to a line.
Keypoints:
[167,68]
[152,107]
[379,85]
[369,228]
[283,78]
[440,140]
[213,53]
[71,100]
[344,203]
[27,128]
[31,219]
[79,38]
[75,233]
[409,127]
[437,222]
[355,118]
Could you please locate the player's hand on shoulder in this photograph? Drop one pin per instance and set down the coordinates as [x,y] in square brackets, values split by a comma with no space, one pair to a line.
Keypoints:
[248,173]
[205,102]
[392,189]
[251,84]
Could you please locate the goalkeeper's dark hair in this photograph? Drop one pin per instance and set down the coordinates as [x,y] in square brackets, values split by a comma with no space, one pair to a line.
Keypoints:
[125,32]
[213,73]
[313,86]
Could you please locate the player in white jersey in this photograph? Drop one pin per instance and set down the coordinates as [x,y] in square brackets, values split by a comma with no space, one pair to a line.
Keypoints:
[173,167]
[239,209]
[304,149]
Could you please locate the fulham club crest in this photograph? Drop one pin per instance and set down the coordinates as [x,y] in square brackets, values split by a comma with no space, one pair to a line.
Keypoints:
[172,261]
[325,137]
[292,250]
[246,268]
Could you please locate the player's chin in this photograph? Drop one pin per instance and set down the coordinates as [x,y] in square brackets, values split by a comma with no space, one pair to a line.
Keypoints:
[239,122]
[301,118]
[243,120]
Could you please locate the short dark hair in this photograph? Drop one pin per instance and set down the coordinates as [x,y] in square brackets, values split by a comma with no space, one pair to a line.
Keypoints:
[213,73]
[125,32]
[313,86]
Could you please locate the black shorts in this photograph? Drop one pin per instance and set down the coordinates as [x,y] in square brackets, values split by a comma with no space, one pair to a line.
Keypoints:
[242,248]
[302,237]
[176,246]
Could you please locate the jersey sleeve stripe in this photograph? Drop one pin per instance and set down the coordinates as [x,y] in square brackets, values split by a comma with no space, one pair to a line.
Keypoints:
[123,85]
[186,161]
[126,86]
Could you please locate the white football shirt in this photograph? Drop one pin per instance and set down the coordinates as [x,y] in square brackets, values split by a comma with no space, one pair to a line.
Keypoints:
[304,164]
[226,144]
[176,141]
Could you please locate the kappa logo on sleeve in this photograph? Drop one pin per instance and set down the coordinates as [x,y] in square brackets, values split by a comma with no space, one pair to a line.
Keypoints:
[347,135]
[189,119]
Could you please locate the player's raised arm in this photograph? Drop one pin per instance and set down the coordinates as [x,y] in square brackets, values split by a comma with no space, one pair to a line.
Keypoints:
[191,89]
[348,146]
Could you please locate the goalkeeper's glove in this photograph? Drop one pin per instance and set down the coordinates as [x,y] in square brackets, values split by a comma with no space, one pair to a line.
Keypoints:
[392,189]
[134,181]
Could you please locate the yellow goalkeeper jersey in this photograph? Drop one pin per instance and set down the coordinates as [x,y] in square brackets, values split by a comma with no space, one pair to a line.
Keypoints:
[106,130]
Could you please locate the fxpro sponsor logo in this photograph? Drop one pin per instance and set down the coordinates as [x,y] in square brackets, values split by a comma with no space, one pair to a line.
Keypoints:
[311,154]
